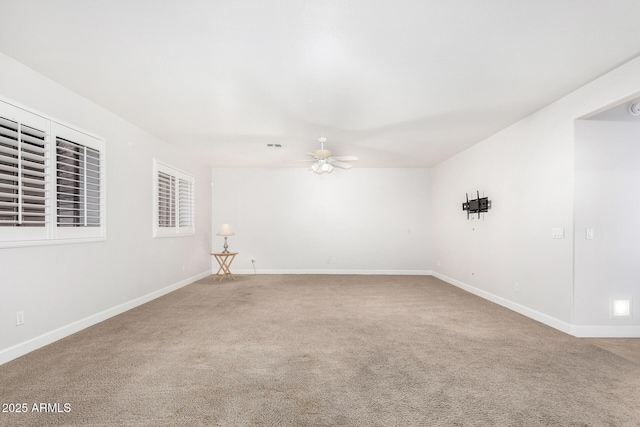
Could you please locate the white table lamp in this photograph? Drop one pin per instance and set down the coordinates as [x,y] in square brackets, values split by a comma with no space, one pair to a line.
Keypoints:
[225,230]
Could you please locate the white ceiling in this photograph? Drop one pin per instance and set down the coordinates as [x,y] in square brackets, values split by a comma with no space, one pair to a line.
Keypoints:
[398,83]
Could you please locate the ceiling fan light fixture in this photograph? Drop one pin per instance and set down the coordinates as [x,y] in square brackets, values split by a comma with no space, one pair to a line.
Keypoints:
[324,161]
[321,166]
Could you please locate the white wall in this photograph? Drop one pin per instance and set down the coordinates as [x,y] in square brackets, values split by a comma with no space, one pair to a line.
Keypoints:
[63,288]
[527,172]
[294,221]
[527,175]
[607,200]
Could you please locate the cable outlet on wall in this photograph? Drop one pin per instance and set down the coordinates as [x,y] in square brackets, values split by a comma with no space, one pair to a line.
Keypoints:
[253,260]
[20,318]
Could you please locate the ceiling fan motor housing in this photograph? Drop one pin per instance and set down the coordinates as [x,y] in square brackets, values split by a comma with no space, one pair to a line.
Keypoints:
[322,154]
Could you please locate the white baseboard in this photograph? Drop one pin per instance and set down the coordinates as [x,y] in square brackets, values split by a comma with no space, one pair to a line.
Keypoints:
[323,271]
[525,311]
[626,331]
[57,334]
[621,331]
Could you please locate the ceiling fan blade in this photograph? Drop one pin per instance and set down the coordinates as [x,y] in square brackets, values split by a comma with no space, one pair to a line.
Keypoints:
[347,158]
[341,165]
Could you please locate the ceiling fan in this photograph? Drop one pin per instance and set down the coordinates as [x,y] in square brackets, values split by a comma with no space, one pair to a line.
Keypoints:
[325,162]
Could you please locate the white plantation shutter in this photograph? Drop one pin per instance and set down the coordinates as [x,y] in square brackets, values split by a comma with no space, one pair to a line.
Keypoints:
[174,201]
[185,201]
[51,180]
[78,185]
[23,173]
[166,200]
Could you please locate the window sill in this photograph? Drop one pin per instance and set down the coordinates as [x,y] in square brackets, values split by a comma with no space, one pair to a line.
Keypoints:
[30,243]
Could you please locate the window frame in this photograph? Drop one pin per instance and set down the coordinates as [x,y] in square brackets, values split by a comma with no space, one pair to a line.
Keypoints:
[181,218]
[50,233]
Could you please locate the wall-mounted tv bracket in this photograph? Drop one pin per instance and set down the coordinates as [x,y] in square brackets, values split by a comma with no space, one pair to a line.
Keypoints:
[478,205]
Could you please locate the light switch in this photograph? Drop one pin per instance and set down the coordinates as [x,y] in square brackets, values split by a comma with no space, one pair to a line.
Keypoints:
[557,233]
[589,233]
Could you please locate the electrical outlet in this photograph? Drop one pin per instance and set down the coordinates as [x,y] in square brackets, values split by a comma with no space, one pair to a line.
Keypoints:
[19,318]
[516,287]
[589,233]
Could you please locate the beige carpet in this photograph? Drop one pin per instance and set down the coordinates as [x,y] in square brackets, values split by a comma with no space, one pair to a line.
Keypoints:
[322,351]
[628,348]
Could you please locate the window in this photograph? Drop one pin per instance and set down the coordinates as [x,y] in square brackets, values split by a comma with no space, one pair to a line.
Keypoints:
[78,185]
[166,200]
[51,180]
[22,175]
[173,209]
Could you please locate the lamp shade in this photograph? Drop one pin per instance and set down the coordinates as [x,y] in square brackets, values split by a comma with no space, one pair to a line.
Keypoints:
[225,230]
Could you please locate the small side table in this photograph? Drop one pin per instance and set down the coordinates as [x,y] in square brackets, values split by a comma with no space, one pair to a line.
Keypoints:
[224,261]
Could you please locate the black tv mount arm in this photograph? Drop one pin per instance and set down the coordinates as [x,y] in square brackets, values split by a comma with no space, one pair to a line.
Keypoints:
[477,205]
